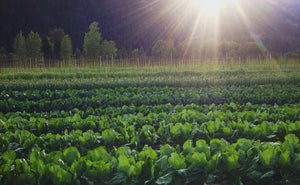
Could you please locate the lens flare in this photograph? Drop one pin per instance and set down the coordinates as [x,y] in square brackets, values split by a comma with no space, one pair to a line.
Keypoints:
[209,7]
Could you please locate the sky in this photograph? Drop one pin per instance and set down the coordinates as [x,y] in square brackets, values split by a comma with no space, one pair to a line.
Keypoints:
[140,23]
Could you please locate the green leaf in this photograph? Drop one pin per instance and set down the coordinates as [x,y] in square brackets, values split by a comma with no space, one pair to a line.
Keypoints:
[217,145]
[124,165]
[254,174]
[292,140]
[183,172]
[8,157]
[137,169]
[70,155]
[268,174]
[59,175]
[109,136]
[118,179]
[211,178]
[124,150]
[98,170]
[243,144]
[147,152]
[267,156]
[98,154]
[271,136]
[198,161]
[163,163]
[186,129]
[284,158]
[78,167]
[176,129]
[232,162]
[166,179]
[166,150]
[202,147]
[296,162]
[36,164]
[188,146]
[176,161]
[22,166]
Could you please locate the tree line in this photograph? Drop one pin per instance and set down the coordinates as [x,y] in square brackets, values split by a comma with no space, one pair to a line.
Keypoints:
[58,45]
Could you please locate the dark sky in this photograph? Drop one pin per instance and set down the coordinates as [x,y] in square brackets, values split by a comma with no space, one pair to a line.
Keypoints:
[136,23]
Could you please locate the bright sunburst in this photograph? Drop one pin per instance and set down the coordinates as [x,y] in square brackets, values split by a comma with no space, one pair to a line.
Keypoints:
[201,21]
[209,7]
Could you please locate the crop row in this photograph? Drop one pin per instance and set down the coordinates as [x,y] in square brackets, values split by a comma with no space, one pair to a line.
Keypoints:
[136,73]
[37,95]
[144,81]
[269,123]
[42,101]
[138,136]
[272,112]
[243,162]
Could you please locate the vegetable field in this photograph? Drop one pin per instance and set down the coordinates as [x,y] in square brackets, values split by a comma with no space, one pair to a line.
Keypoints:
[133,127]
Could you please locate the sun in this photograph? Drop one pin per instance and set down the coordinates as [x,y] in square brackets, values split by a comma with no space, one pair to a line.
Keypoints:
[208,7]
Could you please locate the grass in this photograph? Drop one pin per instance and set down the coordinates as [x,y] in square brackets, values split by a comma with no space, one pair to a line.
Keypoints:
[158,73]
[132,65]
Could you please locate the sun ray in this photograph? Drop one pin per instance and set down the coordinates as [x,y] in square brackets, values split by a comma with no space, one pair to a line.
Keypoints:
[249,26]
[196,24]
[208,7]
[207,13]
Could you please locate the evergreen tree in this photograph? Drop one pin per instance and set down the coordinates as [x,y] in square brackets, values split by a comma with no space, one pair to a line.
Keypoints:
[56,36]
[108,48]
[92,39]
[19,46]
[33,45]
[66,47]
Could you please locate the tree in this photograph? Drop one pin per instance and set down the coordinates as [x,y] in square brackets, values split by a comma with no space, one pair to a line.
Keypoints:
[135,52]
[291,55]
[77,53]
[253,49]
[142,52]
[108,48]
[210,48]
[229,48]
[3,53]
[190,47]
[138,52]
[163,48]
[123,52]
[92,39]
[46,47]
[33,45]
[184,48]
[170,48]
[66,47]
[158,48]
[56,36]
[20,46]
